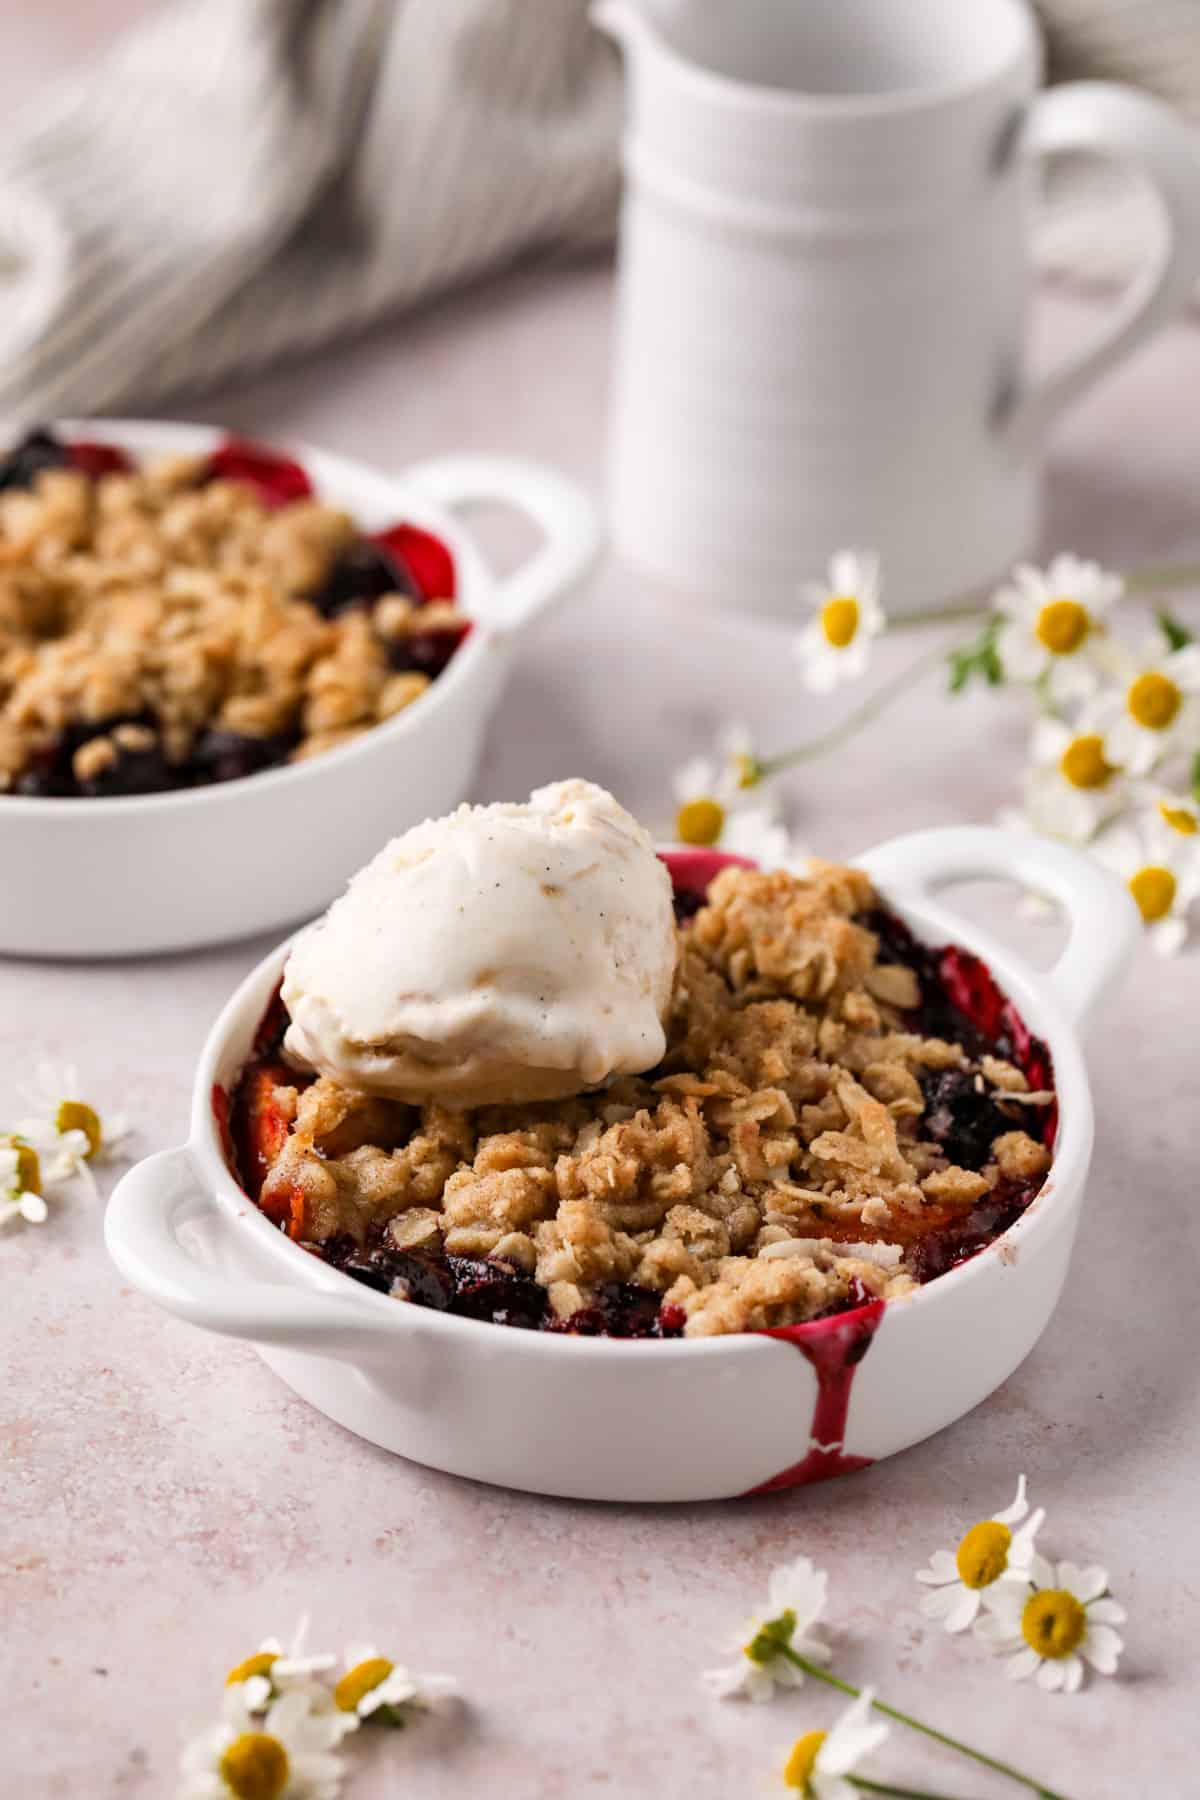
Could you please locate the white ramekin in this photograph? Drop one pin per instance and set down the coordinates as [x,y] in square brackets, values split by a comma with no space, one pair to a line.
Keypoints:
[118,877]
[599,1419]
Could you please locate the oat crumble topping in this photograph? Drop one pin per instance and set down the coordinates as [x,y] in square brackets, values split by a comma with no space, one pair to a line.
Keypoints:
[794,1153]
[163,628]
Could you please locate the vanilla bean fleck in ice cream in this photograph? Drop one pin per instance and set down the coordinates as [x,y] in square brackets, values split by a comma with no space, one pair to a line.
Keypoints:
[504,953]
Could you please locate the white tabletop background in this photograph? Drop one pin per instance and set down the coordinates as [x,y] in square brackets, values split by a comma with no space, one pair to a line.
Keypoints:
[166,1502]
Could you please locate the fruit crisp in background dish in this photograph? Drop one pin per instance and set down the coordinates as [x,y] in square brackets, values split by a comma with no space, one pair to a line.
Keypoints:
[198,619]
[840,1114]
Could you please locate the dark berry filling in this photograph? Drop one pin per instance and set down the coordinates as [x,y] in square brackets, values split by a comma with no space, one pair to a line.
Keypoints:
[426,652]
[41,450]
[219,755]
[360,576]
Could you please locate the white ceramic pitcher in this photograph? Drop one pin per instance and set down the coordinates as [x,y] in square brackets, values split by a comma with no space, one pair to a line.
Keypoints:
[824,279]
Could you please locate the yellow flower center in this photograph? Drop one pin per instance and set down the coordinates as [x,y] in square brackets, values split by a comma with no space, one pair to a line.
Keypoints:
[1154,890]
[700,821]
[1153,701]
[29,1169]
[255,1766]
[797,1770]
[1179,818]
[261,1663]
[839,620]
[359,1681]
[1083,763]
[983,1554]
[1053,1622]
[74,1115]
[1062,625]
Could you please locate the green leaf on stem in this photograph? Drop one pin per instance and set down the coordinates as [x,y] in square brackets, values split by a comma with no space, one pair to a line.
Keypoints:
[978,661]
[1177,634]
[1196,778]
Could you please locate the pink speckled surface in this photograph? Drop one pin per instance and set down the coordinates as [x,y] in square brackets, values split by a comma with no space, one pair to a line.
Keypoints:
[166,1502]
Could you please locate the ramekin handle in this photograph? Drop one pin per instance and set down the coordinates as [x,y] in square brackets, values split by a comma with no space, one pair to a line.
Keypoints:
[141,1230]
[1103,920]
[566,517]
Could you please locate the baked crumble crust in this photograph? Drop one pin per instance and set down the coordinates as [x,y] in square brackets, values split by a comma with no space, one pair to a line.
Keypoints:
[789,1151]
[174,609]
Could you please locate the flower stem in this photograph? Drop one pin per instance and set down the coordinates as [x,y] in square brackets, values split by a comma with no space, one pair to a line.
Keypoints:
[869,709]
[896,1793]
[1147,580]
[941,1737]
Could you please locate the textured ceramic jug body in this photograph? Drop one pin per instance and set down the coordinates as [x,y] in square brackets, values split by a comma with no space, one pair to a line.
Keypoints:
[824,286]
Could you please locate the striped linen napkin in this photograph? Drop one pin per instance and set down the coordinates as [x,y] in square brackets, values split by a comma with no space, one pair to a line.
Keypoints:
[240,181]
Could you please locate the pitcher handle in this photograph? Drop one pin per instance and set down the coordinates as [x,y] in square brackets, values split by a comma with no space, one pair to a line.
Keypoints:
[1111,120]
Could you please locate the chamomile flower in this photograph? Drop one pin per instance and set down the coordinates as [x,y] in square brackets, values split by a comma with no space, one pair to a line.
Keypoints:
[20,1183]
[68,1132]
[1052,1630]
[795,1602]
[287,1755]
[989,1552]
[835,646]
[1052,619]
[1070,788]
[720,806]
[819,1763]
[276,1668]
[710,791]
[375,1688]
[1157,858]
[1153,708]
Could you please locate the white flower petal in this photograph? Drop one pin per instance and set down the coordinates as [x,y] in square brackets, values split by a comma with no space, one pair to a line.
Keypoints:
[1106,1611]
[1168,936]
[965,1613]
[854,1736]
[1050,1675]
[1021,1550]
[995,1634]
[725,1684]
[1070,679]
[1005,1600]
[799,1587]
[1021,1666]
[942,1568]
[1040,1570]
[1072,1675]
[33,1209]
[942,1601]
[696,779]
[1086,1583]
[831,1787]
[1018,1507]
[1102,1647]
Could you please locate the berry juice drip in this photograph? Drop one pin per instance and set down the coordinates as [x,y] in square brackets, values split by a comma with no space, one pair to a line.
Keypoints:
[834,1347]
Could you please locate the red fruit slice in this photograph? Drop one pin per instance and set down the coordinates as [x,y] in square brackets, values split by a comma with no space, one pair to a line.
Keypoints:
[277,480]
[94,460]
[260,1129]
[425,557]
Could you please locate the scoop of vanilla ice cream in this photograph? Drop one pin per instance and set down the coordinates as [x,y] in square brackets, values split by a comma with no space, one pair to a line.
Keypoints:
[505,953]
